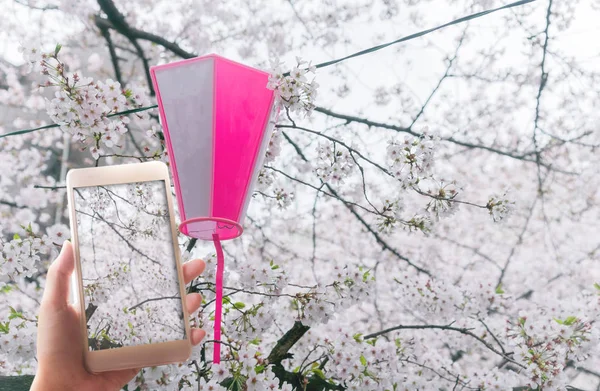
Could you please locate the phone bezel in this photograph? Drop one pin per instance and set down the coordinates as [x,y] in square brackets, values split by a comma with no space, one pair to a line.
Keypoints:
[137,356]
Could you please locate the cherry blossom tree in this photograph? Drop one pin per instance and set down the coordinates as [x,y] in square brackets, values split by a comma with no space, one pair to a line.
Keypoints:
[428,211]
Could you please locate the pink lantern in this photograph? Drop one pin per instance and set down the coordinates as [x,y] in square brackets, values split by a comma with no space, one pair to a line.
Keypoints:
[217,117]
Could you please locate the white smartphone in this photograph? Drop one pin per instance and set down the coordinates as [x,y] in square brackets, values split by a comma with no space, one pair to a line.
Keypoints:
[130,287]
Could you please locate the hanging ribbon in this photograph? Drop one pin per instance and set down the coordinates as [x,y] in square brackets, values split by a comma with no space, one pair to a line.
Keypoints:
[218,300]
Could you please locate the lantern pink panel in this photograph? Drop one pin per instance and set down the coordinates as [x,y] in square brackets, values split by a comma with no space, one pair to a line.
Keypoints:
[217,117]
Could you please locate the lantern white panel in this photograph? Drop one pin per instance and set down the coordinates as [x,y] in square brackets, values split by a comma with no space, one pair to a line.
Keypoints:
[186,96]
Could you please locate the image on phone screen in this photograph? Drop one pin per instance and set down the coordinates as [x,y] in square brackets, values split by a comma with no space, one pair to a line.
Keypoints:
[128,267]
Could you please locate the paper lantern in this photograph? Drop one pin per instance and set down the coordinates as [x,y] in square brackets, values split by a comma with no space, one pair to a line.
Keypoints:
[217,117]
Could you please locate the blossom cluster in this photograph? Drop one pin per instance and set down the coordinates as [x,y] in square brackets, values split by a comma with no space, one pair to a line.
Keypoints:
[21,255]
[500,207]
[545,346]
[17,339]
[370,365]
[390,216]
[85,109]
[269,276]
[294,91]
[244,364]
[411,159]
[244,319]
[274,147]
[248,368]
[265,179]
[283,198]
[319,305]
[442,301]
[21,260]
[443,203]
[334,163]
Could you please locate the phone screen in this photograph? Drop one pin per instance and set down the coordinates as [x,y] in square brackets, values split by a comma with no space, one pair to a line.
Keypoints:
[128,266]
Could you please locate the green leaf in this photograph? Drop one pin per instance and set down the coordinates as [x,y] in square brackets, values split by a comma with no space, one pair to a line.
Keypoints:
[363,360]
[357,337]
[499,290]
[319,373]
[16,236]
[14,314]
[6,289]
[597,286]
[255,341]
[128,93]
[104,335]
[4,327]
[569,321]
[57,49]
[239,305]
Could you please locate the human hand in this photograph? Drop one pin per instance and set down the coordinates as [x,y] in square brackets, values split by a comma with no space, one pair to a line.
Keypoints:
[59,340]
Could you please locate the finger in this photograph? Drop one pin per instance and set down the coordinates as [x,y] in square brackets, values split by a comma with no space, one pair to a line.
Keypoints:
[59,277]
[197,335]
[192,302]
[192,269]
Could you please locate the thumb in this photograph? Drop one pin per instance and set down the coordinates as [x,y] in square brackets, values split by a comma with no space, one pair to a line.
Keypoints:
[58,278]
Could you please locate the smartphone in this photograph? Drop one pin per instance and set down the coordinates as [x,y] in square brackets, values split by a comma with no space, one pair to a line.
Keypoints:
[128,277]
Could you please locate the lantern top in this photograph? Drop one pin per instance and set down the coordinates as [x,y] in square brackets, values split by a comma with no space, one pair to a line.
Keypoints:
[204,57]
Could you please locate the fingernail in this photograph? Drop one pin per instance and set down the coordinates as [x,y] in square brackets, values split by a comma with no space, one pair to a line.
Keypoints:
[197,336]
[62,248]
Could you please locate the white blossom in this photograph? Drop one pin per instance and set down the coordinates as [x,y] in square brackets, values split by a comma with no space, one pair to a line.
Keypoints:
[500,207]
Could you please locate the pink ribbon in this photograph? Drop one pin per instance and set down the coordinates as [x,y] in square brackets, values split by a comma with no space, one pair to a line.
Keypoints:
[218,300]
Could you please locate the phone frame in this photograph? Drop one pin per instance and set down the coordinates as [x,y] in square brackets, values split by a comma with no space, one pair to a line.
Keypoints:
[137,356]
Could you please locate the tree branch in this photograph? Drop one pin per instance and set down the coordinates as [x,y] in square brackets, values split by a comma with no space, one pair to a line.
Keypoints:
[140,34]
[281,350]
[463,331]
[12,204]
[379,239]
[113,53]
[141,303]
[400,129]
[120,24]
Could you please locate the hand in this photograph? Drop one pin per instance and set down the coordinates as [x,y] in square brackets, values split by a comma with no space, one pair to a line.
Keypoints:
[59,340]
